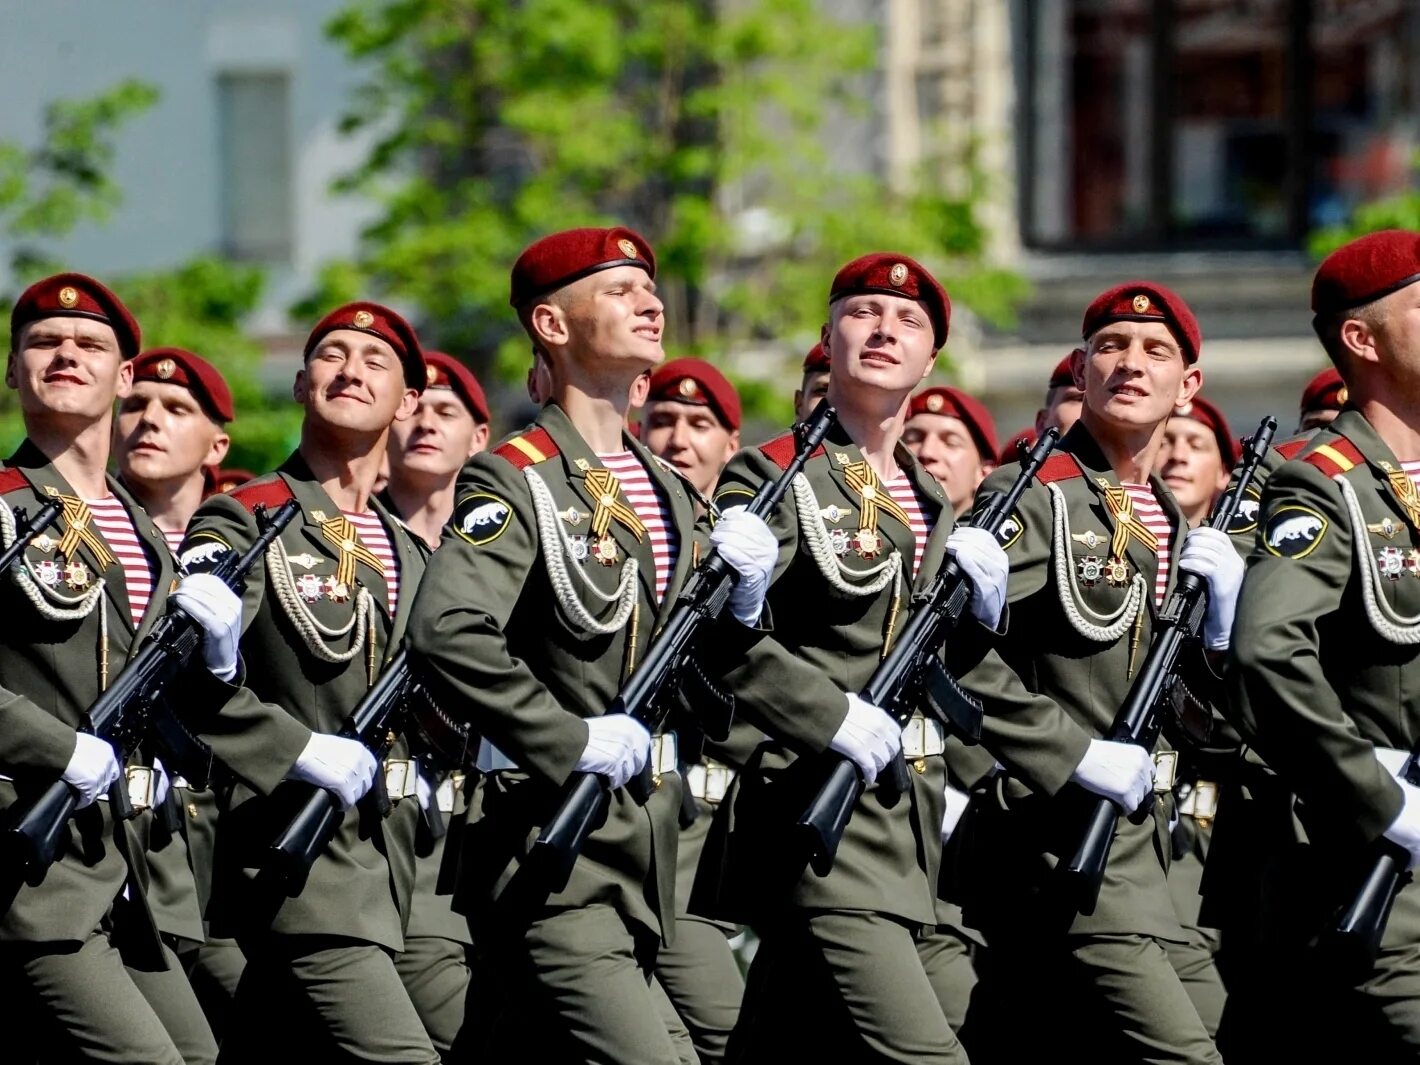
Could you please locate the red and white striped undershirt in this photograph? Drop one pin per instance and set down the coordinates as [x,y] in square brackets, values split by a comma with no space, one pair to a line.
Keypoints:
[640,492]
[901,490]
[1156,520]
[373,535]
[115,525]
[1413,470]
[174,538]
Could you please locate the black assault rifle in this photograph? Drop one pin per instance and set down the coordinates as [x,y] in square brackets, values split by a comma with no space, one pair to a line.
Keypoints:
[396,700]
[1350,944]
[912,676]
[586,797]
[121,715]
[1157,687]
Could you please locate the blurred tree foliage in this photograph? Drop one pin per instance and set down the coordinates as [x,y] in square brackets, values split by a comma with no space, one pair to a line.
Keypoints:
[730,133]
[49,189]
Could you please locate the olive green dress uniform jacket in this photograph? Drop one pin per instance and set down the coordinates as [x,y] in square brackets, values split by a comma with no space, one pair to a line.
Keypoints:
[1327,653]
[501,650]
[51,671]
[824,642]
[1056,681]
[360,887]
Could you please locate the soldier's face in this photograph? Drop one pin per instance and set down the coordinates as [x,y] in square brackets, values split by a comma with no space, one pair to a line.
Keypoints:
[876,341]
[1133,374]
[163,434]
[691,439]
[354,381]
[1191,464]
[612,316]
[945,448]
[69,367]
[1061,410]
[437,440]
[815,387]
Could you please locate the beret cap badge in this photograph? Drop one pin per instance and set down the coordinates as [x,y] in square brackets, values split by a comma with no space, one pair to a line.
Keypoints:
[934,403]
[364,319]
[627,248]
[898,274]
[1342,394]
[1141,304]
[166,368]
[68,296]
[432,375]
[686,387]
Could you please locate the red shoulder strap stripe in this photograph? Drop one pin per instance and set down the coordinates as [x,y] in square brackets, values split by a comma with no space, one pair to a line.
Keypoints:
[781,450]
[12,479]
[1290,449]
[528,449]
[1335,456]
[1059,467]
[269,493]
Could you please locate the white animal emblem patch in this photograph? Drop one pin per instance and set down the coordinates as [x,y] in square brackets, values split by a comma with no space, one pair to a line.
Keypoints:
[486,514]
[1294,531]
[203,554]
[480,518]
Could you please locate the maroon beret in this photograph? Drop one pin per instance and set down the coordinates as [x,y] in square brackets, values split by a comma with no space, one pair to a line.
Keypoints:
[381,322]
[1365,270]
[445,371]
[1145,301]
[557,260]
[1062,376]
[1203,412]
[896,275]
[1012,451]
[954,403]
[229,477]
[1325,391]
[76,296]
[175,366]
[816,361]
[696,381]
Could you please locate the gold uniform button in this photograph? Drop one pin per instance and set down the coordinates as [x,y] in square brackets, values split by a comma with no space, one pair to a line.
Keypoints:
[920,764]
[192,810]
[656,782]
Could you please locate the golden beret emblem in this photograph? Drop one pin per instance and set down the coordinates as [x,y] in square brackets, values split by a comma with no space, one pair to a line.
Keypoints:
[627,248]
[1141,304]
[934,402]
[686,387]
[166,368]
[898,274]
[364,319]
[68,296]
[431,374]
[1342,395]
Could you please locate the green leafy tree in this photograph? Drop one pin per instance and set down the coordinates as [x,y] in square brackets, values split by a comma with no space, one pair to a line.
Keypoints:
[699,122]
[49,189]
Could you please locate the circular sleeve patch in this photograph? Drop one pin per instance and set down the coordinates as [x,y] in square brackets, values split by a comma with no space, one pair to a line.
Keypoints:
[1010,531]
[1293,531]
[203,552]
[1245,518]
[480,518]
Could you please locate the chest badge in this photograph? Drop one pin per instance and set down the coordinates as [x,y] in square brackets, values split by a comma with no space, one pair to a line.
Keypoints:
[76,575]
[838,540]
[1090,570]
[1090,539]
[1391,563]
[309,587]
[867,543]
[833,513]
[47,572]
[579,548]
[1389,528]
[605,551]
[337,590]
[1116,573]
[305,560]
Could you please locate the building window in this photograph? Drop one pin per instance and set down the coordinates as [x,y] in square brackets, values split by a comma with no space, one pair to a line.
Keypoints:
[1211,123]
[254,137]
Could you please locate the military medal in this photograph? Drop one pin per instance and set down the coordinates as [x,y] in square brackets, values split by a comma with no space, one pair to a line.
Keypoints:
[867,543]
[308,585]
[573,517]
[47,572]
[605,551]
[76,575]
[1387,528]
[1090,539]
[44,542]
[578,545]
[833,513]
[1089,569]
[838,540]
[1391,563]
[305,560]
[1116,573]
[338,591]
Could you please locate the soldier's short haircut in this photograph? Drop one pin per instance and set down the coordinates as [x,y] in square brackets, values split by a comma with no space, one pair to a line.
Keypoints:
[1328,329]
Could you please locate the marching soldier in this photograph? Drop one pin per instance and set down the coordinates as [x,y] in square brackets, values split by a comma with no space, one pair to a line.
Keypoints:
[322,611]
[426,453]
[570,546]
[1326,662]
[1063,399]
[842,963]
[1095,546]
[1198,456]
[692,422]
[171,437]
[83,971]
[814,385]
[954,438]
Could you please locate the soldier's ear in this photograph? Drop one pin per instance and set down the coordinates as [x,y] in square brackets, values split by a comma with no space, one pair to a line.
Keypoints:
[408,404]
[1189,386]
[217,453]
[299,387]
[125,378]
[548,324]
[12,379]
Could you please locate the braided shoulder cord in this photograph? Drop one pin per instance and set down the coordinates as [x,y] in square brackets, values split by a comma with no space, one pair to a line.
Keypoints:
[1389,625]
[313,633]
[821,549]
[1104,628]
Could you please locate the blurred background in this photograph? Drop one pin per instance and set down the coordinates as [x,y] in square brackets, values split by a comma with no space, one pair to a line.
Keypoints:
[234,167]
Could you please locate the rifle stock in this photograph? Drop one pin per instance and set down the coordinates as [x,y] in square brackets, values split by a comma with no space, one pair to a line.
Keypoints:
[1139,720]
[586,798]
[909,677]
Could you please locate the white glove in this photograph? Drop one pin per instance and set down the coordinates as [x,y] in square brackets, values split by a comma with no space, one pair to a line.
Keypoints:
[162,785]
[957,802]
[868,736]
[92,768]
[1121,772]
[1392,759]
[209,602]
[618,747]
[422,790]
[344,767]
[985,564]
[745,542]
[1405,830]
[1210,554]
